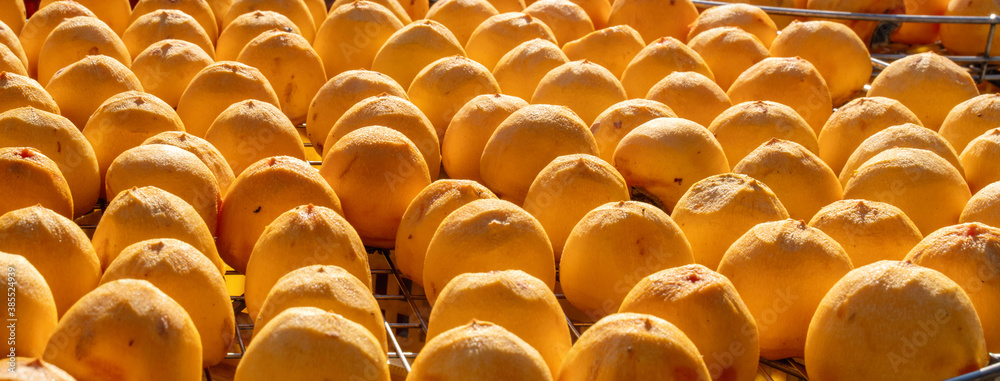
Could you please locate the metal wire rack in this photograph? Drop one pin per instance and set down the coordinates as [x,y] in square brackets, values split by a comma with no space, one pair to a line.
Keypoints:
[406,312]
[983,68]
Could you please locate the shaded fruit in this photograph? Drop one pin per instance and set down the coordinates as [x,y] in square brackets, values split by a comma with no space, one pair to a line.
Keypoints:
[12,13]
[52,243]
[781,305]
[612,47]
[505,6]
[747,17]
[20,91]
[32,179]
[527,141]
[836,52]
[499,34]
[854,122]
[793,82]
[145,213]
[295,10]
[683,296]
[9,39]
[339,43]
[303,236]
[291,66]
[903,136]
[482,350]
[329,288]
[423,217]
[621,118]
[567,20]
[251,130]
[9,62]
[654,19]
[624,346]
[123,122]
[80,88]
[215,88]
[664,157]
[75,39]
[398,114]
[928,84]
[780,20]
[245,28]
[416,9]
[919,182]
[376,171]
[716,211]
[263,192]
[691,96]
[339,94]
[921,33]
[41,24]
[968,39]
[984,206]
[567,189]
[165,24]
[166,68]
[393,6]
[171,169]
[443,87]
[802,182]
[863,29]
[728,52]
[115,13]
[59,140]
[339,346]
[470,130]
[461,17]
[566,84]
[970,119]
[512,299]
[644,240]
[487,235]
[522,68]
[968,254]
[203,150]
[123,326]
[979,160]
[219,8]
[413,47]
[189,278]
[853,325]
[869,231]
[745,126]
[200,10]
[35,307]
[657,60]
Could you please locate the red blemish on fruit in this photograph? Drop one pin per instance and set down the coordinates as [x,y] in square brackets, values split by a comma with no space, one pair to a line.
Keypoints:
[972,230]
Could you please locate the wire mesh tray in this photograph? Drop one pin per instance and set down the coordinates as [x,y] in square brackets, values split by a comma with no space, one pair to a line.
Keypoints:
[406,312]
[983,68]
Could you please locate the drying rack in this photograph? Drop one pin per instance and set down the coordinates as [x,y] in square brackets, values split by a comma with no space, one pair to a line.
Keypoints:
[983,68]
[407,311]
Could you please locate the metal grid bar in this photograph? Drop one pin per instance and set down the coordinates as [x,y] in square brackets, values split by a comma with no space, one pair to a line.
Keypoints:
[814,13]
[979,65]
[792,369]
